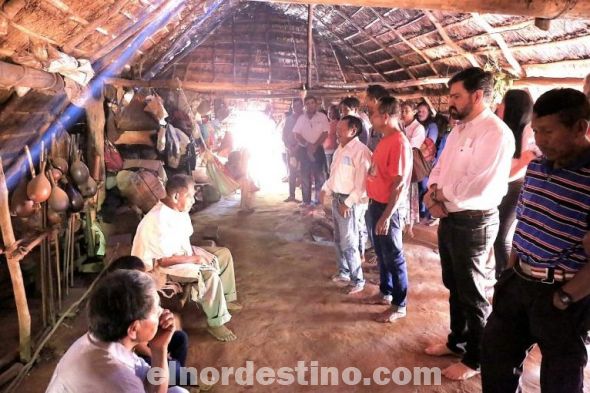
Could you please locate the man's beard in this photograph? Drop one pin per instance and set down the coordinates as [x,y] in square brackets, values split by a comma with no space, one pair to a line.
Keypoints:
[460,115]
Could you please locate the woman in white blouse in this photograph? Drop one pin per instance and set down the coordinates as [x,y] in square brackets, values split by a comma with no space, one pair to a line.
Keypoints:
[516,111]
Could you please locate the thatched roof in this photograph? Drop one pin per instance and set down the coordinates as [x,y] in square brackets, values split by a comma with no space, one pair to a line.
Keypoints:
[230,45]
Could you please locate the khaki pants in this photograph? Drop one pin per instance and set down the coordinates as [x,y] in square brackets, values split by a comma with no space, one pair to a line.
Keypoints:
[218,286]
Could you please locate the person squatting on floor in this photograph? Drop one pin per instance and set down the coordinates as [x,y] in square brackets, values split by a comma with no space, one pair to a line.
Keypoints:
[388,183]
[162,241]
[465,189]
[123,312]
[543,295]
[346,185]
[178,346]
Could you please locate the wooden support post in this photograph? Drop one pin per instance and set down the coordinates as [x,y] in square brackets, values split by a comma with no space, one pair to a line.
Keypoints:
[309,43]
[20,296]
[96,119]
[295,51]
[233,50]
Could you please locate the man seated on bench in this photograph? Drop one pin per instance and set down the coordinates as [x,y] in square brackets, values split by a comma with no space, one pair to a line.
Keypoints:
[162,241]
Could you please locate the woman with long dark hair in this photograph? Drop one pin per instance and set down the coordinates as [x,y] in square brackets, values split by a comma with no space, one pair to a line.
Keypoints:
[516,111]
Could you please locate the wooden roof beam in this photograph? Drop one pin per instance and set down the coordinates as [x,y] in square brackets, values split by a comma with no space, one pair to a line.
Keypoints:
[202,86]
[356,51]
[542,45]
[496,36]
[94,25]
[550,9]
[499,29]
[449,41]
[374,40]
[404,40]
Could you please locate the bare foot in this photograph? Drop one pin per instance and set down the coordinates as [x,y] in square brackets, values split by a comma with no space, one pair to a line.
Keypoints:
[222,333]
[440,350]
[459,372]
[234,306]
[377,299]
[392,314]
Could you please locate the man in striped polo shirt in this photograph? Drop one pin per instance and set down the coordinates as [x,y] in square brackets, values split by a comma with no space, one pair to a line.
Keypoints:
[543,296]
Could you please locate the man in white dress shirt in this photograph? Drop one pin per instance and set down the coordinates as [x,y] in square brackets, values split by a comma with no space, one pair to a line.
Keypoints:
[162,241]
[347,186]
[465,189]
[310,131]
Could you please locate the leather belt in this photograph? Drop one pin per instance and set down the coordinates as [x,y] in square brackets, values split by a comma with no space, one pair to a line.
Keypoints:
[546,275]
[339,195]
[473,213]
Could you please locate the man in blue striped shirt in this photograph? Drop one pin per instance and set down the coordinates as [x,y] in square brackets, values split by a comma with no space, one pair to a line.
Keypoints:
[543,297]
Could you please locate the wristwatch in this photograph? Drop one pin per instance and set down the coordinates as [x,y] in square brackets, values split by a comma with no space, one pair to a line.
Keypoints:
[564,297]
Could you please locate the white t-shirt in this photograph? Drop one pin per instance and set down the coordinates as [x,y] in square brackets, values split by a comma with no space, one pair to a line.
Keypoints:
[311,129]
[163,232]
[91,365]
[415,133]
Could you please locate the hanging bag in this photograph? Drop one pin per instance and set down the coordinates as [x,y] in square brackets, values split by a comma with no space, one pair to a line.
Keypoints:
[420,166]
[113,161]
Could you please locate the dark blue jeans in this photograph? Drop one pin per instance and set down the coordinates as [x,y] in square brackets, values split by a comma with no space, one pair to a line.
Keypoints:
[524,314]
[390,254]
[465,240]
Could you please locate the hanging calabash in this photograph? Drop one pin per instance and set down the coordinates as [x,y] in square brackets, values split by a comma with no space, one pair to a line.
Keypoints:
[79,171]
[58,200]
[39,188]
[20,204]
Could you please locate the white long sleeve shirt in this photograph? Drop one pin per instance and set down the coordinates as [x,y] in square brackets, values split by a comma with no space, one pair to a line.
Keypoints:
[474,166]
[348,172]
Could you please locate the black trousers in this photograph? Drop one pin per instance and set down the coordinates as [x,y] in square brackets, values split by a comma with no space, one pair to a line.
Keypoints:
[465,241]
[312,169]
[524,314]
[507,209]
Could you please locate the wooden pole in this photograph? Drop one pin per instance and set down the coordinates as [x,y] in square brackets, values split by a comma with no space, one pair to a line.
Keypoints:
[309,43]
[96,120]
[203,86]
[538,8]
[12,75]
[20,296]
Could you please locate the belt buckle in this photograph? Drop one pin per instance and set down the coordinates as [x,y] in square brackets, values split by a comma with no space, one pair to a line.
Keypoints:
[550,279]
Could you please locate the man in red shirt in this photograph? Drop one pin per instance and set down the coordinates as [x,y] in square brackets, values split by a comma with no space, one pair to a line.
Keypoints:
[388,183]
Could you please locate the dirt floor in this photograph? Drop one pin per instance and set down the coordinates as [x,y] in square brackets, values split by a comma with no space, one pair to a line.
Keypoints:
[292,312]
